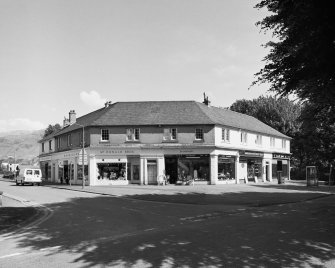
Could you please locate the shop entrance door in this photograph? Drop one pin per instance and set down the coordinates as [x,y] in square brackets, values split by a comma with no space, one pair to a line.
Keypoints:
[267,172]
[152,173]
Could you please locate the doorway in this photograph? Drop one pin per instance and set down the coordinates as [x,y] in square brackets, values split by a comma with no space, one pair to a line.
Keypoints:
[152,171]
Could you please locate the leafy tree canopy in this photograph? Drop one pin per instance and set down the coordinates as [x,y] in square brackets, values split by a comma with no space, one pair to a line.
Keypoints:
[301,59]
[279,113]
[51,129]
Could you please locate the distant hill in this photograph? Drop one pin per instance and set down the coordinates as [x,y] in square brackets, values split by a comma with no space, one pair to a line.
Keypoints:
[23,143]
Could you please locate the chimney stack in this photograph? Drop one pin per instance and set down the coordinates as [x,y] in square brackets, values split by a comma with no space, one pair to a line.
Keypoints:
[65,122]
[72,117]
[206,100]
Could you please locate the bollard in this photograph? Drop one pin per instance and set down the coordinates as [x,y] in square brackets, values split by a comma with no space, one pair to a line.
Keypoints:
[1,192]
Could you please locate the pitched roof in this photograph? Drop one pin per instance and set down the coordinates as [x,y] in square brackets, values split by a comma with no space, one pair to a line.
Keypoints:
[169,113]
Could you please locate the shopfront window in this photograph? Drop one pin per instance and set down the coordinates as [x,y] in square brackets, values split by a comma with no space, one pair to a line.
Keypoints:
[226,167]
[283,166]
[112,171]
[254,169]
[80,172]
[193,167]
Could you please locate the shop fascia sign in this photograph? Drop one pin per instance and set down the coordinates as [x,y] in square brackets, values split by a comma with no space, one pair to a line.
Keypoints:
[116,152]
[281,156]
[251,154]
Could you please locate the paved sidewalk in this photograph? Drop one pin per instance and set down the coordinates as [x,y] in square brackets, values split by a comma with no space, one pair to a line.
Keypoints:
[261,194]
[14,214]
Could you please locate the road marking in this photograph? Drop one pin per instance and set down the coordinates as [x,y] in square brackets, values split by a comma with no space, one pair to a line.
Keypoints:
[11,255]
[50,248]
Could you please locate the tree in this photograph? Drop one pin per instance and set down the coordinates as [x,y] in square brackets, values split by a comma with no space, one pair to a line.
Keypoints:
[51,129]
[300,61]
[279,113]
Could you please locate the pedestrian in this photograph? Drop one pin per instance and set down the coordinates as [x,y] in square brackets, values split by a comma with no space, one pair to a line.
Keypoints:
[61,180]
[67,180]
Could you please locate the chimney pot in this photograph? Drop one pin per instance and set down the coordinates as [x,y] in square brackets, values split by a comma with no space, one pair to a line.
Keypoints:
[72,116]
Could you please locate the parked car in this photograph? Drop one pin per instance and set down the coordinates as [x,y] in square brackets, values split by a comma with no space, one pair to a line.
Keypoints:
[29,176]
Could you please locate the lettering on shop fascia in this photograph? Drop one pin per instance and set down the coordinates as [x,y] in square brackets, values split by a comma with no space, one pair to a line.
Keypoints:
[71,155]
[255,154]
[280,156]
[118,152]
[186,151]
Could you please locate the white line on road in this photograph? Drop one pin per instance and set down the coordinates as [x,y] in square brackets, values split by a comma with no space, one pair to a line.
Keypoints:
[50,248]
[11,255]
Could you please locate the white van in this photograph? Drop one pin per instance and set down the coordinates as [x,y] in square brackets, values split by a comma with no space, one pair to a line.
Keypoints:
[30,175]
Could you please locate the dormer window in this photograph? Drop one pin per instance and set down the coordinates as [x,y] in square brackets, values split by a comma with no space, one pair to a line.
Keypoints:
[104,135]
[133,134]
[199,134]
[169,134]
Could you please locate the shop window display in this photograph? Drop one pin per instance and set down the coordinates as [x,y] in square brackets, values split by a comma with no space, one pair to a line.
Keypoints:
[284,173]
[112,171]
[254,169]
[80,173]
[193,168]
[226,168]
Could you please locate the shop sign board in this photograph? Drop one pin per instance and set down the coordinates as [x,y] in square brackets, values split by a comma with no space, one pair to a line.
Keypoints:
[251,154]
[280,156]
[226,159]
[80,157]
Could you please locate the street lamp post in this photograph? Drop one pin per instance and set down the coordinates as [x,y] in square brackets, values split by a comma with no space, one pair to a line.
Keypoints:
[83,155]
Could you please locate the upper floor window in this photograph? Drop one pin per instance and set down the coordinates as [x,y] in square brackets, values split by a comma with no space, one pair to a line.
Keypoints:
[42,147]
[283,144]
[69,140]
[244,137]
[104,135]
[133,134]
[58,142]
[50,145]
[170,134]
[272,142]
[199,134]
[225,135]
[258,140]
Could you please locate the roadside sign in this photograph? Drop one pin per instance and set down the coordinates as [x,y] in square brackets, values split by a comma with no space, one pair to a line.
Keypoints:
[80,157]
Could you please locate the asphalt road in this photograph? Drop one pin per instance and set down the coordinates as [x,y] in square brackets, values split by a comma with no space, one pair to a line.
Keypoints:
[88,230]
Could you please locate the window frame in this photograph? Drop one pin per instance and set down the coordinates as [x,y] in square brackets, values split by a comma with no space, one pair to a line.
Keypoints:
[283,144]
[244,137]
[225,135]
[133,134]
[42,147]
[199,131]
[69,142]
[169,134]
[50,145]
[259,140]
[272,142]
[104,137]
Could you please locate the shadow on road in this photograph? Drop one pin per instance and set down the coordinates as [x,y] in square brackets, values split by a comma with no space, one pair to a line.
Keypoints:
[173,232]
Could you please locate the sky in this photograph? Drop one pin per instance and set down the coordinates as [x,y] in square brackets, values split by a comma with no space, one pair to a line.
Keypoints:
[62,55]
